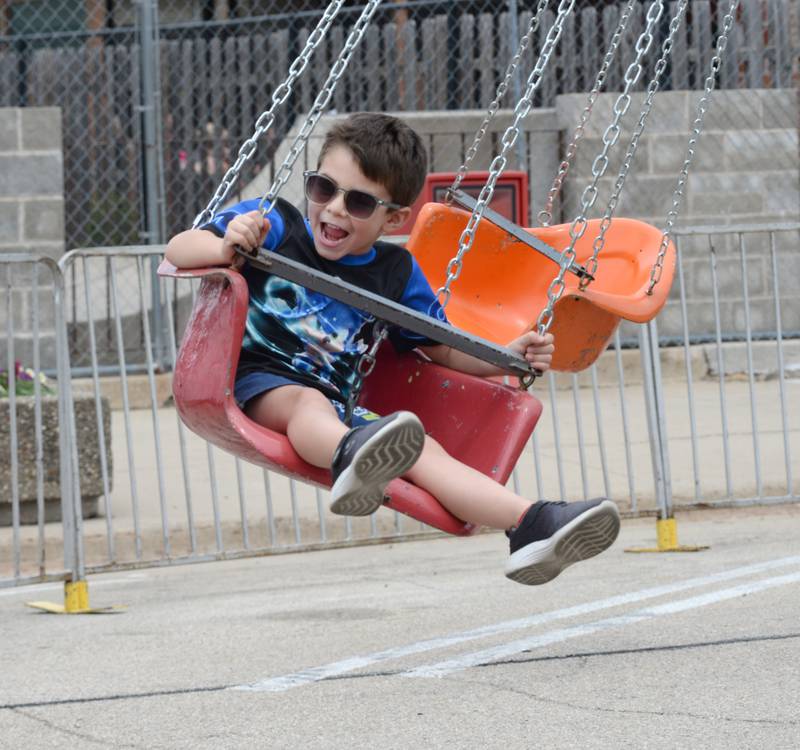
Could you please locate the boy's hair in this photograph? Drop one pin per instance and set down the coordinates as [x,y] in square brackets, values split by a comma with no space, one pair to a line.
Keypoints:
[386,149]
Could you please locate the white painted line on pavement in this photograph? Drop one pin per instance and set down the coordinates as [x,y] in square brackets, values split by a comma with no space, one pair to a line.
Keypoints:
[315,674]
[498,653]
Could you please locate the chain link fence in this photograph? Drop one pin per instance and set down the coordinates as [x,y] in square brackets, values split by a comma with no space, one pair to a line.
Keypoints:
[156,98]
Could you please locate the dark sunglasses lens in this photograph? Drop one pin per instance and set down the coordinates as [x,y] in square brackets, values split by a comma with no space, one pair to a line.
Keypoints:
[360,205]
[319,189]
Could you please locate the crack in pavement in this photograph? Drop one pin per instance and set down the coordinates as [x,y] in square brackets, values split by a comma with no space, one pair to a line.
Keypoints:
[396,672]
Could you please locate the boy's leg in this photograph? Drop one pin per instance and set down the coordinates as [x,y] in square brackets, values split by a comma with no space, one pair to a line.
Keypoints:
[545,537]
[305,416]
[362,460]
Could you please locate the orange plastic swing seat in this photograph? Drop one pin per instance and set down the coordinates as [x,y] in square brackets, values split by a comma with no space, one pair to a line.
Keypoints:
[482,423]
[503,284]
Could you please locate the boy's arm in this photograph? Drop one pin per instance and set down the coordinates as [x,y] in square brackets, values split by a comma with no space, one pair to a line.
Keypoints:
[196,248]
[537,350]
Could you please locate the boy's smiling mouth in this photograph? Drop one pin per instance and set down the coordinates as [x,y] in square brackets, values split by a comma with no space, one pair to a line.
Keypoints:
[332,234]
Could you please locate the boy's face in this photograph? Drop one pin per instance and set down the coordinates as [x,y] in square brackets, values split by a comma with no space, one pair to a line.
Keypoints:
[336,233]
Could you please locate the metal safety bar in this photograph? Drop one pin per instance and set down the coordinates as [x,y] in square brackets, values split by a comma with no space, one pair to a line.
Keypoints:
[392,312]
[531,240]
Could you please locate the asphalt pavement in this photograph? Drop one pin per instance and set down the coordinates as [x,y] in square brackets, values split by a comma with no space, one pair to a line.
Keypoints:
[425,644]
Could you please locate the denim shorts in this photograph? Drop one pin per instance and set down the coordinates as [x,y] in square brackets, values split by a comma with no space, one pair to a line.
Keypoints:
[256,383]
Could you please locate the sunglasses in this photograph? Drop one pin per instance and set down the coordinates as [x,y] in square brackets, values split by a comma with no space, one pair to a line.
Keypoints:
[358,204]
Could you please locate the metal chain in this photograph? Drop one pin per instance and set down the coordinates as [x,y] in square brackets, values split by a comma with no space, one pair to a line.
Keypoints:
[364,367]
[266,119]
[320,103]
[498,164]
[501,92]
[655,83]
[702,106]
[546,214]
[599,165]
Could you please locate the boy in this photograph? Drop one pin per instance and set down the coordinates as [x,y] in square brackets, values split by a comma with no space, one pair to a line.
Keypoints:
[300,348]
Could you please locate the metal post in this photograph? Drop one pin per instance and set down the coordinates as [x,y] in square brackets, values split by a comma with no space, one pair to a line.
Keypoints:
[666,525]
[648,348]
[516,84]
[152,177]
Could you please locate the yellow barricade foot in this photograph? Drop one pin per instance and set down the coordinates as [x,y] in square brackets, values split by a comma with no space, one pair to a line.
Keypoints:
[667,539]
[76,602]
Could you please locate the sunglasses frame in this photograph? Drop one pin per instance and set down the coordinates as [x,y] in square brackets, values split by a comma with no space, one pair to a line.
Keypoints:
[378,201]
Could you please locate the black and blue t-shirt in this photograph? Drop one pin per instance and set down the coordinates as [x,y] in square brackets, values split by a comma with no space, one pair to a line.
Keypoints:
[307,336]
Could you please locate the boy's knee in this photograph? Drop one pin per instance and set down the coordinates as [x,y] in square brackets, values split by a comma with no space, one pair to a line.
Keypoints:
[433,446]
[311,398]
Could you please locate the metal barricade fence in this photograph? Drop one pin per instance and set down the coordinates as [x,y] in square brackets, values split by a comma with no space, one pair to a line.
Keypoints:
[705,422]
[41,469]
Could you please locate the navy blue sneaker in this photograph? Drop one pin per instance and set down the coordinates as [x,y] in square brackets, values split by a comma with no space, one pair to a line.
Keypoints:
[369,457]
[553,536]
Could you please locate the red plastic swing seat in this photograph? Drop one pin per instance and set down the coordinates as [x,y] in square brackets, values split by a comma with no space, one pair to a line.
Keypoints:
[481,422]
[503,284]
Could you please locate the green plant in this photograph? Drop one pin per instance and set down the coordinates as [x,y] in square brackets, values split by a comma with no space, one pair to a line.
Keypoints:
[24,382]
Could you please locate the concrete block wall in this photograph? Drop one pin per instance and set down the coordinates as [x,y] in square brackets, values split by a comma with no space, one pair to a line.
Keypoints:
[31,221]
[746,171]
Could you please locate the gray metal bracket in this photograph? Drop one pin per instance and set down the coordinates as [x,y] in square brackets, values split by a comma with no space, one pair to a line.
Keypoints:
[468,202]
[392,312]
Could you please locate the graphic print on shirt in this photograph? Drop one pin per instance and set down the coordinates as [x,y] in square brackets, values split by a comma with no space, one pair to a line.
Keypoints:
[312,333]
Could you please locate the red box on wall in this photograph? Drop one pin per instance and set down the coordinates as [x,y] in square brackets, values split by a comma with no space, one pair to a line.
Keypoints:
[510,197]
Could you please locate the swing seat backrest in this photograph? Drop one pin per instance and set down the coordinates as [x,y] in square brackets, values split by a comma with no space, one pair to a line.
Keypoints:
[503,284]
[482,423]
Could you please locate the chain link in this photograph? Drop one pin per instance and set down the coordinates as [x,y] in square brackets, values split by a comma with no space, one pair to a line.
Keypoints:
[611,135]
[702,106]
[546,214]
[365,366]
[498,164]
[501,92]
[266,119]
[320,103]
[605,224]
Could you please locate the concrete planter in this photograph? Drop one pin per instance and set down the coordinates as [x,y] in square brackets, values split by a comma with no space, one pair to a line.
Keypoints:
[91,477]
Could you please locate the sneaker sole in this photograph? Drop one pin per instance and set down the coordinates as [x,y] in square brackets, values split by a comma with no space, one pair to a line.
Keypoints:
[585,536]
[388,454]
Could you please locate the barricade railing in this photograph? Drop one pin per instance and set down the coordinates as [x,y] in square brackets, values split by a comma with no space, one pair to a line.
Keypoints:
[691,422]
[39,469]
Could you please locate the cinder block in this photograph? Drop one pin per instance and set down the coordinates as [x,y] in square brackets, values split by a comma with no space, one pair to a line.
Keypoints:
[761,314]
[724,194]
[668,153]
[788,274]
[589,149]
[782,194]
[779,108]
[733,110]
[9,129]
[725,206]
[645,196]
[41,129]
[762,150]
[569,108]
[9,222]
[44,220]
[729,280]
[699,318]
[40,174]
[669,113]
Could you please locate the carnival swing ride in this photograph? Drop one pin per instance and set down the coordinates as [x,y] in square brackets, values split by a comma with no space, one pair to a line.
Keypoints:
[502,280]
